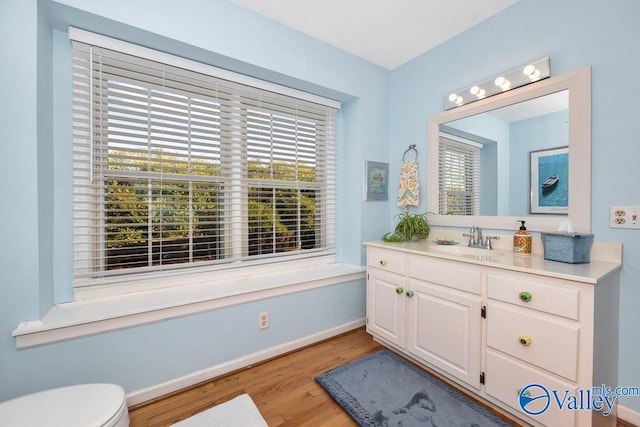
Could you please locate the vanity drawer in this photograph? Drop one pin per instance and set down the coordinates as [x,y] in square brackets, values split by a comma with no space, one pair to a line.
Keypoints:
[549,343]
[452,274]
[557,297]
[392,261]
[506,377]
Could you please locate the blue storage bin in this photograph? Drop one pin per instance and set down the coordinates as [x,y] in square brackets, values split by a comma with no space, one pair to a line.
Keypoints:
[574,248]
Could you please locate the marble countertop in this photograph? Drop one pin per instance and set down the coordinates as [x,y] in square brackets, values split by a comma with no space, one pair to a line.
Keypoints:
[590,272]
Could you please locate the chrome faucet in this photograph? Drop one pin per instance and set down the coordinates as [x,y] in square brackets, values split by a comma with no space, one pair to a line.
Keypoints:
[471,235]
[476,239]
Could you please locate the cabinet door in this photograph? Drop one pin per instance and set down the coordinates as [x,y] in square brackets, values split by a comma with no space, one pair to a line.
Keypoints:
[444,329]
[386,306]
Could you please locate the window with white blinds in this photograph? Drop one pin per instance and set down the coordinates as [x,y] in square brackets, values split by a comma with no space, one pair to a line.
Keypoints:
[175,168]
[459,164]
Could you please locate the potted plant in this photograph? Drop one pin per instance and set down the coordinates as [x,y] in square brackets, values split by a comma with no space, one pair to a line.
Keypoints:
[409,227]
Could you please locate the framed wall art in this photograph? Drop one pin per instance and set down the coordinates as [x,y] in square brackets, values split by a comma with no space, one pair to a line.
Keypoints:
[376,181]
[550,181]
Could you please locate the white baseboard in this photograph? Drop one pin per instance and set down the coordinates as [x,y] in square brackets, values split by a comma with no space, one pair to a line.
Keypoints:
[144,395]
[628,415]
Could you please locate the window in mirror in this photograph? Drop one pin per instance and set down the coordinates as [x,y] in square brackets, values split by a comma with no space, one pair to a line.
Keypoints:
[459,175]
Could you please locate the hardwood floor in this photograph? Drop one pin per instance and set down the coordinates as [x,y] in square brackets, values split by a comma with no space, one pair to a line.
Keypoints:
[283,389]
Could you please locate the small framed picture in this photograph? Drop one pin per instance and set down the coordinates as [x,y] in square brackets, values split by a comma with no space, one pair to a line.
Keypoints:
[376,180]
[550,181]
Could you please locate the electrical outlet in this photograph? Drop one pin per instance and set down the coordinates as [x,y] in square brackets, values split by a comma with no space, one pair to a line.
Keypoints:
[263,320]
[624,217]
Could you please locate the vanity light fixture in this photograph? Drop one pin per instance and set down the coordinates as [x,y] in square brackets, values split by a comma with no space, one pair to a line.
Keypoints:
[475,90]
[532,72]
[525,75]
[502,83]
[456,99]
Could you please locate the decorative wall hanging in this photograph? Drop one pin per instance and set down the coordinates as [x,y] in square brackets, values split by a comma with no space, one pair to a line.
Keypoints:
[376,180]
[409,186]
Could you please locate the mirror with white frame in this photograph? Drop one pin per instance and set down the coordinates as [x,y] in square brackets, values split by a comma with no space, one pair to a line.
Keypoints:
[504,189]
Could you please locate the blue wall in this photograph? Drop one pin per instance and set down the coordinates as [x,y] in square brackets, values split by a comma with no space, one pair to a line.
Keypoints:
[574,34]
[382,113]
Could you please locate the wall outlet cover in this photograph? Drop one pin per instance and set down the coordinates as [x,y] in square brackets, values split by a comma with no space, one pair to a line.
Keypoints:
[263,320]
[624,217]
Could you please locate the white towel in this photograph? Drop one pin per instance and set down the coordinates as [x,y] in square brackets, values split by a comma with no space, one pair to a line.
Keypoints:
[237,412]
[409,187]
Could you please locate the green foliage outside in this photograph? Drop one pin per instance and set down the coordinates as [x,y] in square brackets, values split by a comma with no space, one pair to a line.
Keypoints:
[177,220]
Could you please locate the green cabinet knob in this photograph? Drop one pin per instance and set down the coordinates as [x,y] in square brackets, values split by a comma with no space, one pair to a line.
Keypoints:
[526,392]
[399,290]
[525,296]
[409,294]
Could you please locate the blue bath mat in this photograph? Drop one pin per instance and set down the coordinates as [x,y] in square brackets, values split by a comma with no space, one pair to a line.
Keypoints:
[383,389]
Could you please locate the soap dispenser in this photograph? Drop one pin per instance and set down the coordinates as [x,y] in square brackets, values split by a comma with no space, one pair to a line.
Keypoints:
[522,241]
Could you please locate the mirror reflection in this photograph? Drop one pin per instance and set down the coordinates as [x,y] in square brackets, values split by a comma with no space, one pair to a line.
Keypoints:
[485,159]
[504,194]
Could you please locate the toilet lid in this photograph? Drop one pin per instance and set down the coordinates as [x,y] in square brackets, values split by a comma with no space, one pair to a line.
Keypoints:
[86,405]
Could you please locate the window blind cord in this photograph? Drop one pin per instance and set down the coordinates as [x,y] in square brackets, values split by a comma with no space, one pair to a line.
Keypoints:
[91,131]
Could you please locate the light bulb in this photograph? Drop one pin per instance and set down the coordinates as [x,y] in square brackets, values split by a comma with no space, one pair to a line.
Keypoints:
[459,100]
[453,97]
[481,93]
[474,90]
[528,70]
[500,81]
[506,85]
[535,75]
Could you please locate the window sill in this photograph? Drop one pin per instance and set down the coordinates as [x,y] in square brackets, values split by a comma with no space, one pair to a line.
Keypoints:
[89,317]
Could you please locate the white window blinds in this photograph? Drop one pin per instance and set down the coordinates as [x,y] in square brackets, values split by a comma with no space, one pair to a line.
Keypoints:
[459,164]
[175,168]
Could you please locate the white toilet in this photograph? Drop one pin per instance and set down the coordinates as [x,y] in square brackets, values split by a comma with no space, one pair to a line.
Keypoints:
[86,405]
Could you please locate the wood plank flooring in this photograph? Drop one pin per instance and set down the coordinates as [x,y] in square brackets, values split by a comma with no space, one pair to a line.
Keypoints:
[283,389]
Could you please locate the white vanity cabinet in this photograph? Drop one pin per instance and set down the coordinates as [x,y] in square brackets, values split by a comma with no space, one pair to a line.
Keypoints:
[494,326]
[562,334]
[428,308]
[534,336]
[386,299]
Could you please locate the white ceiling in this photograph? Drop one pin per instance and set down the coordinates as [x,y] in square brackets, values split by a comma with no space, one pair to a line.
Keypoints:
[386,32]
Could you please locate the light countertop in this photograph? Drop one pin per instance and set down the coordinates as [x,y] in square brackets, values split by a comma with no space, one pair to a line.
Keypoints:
[606,258]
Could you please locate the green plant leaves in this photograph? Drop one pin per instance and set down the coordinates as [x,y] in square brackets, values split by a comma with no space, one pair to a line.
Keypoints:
[393,237]
[408,227]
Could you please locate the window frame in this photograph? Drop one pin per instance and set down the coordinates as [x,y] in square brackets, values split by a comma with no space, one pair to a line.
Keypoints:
[238,215]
